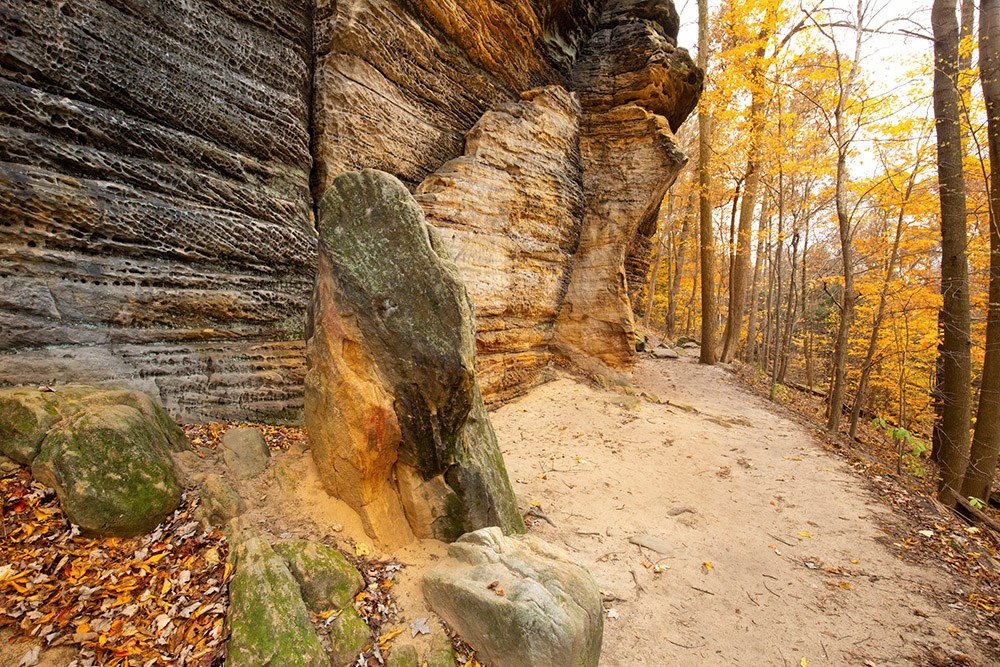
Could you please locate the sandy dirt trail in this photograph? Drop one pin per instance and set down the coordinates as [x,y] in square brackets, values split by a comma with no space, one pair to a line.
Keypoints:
[769,546]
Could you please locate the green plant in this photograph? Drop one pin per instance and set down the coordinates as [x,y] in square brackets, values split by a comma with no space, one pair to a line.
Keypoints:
[901,437]
[976,502]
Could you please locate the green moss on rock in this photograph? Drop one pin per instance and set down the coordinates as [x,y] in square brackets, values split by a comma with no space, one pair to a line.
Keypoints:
[268,621]
[326,578]
[349,635]
[26,415]
[110,470]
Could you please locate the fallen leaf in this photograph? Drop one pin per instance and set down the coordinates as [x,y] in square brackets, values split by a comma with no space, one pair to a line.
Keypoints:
[803,663]
[803,534]
[846,585]
[384,639]
[612,613]
[30,659]
[707,566]
[419,626]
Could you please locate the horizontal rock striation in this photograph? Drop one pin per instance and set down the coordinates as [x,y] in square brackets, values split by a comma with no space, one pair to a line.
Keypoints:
[154,194]
[157,191]
[399,84]
[509,212]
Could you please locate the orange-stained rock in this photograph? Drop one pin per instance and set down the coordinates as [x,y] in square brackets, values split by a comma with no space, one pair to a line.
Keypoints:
[634,86]
[509,213]
[391,399]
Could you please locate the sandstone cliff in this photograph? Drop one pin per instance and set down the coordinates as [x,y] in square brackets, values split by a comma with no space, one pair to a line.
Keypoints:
[160,163]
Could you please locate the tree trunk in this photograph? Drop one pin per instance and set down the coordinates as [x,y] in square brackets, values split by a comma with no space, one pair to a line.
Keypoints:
[741,265]
[790,314]
[956,362]
[750,351]
[866,368]
[849,297]
[675,285]
[707,235]
[651,292]
[986,439]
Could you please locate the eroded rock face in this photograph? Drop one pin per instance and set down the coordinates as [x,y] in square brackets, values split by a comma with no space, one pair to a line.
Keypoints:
[154,196]
[635,86]
[156,193]
[519,601]
[393,410]
[107,453]
[514,245]
[399,84]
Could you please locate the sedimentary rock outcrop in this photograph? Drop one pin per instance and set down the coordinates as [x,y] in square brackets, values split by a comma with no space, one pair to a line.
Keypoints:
[519,601]
[509,212]
[157,192]
[399,84]
[635,86]
[396,421]
[154,196]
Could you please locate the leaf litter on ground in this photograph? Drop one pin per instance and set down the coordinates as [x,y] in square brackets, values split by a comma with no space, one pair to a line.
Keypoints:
[157,599]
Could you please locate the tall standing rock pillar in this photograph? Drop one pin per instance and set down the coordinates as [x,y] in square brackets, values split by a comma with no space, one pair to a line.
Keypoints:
[395,416]
[635,88]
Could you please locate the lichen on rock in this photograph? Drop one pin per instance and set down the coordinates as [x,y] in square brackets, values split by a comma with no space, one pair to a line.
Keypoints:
[391,377]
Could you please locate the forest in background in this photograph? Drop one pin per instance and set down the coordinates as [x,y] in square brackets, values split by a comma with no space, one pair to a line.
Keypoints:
[806,237]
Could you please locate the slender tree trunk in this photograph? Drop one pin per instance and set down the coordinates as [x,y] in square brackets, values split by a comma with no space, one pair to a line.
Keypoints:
[675,286]
[866,368]
[707,236]
[849,297]
[741,265]
[689,321]
[779,247]
[651,292]
[986,439]
[731,263]
[786,342]
[750,351]
[956,391]
[806,319]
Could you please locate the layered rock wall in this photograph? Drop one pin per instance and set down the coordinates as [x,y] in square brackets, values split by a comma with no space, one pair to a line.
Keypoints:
[160,161]
[635,88]
[509,211]
[154,197]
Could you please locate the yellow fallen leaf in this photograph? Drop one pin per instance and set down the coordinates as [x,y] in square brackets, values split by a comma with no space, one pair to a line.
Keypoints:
[363,595]
[362,549]
[804,534]
[803,663]
[156,558]
[389,636]
[328,613]
[846,585]
[854,561]
[535,503]
[83,628]
[707,566]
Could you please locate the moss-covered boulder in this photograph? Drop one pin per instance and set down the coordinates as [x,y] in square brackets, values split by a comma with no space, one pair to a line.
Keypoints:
[26,415]
[269,623]
[111,471]
[391,380]
[326,578]
[349,635]
[550,612]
